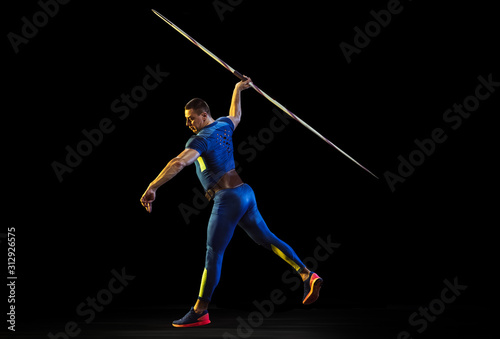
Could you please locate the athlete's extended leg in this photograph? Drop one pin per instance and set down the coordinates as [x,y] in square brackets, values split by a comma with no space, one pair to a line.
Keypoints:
[255,226]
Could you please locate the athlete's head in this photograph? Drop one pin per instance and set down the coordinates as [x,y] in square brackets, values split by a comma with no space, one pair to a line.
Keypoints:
[197,114]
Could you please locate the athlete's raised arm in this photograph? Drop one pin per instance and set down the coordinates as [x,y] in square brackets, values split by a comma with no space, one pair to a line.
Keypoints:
[174,166]
[235,109]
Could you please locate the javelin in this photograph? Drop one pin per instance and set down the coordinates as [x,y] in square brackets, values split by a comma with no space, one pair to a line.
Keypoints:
[240,76]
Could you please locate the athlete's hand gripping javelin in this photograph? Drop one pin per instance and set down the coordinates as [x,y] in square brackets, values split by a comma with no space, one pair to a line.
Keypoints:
[244,84]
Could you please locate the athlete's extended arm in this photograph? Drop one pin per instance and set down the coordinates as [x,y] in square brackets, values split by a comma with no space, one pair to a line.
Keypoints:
[235,109]
[174,166]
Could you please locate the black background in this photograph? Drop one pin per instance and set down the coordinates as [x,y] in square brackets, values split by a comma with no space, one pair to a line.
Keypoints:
[396,247]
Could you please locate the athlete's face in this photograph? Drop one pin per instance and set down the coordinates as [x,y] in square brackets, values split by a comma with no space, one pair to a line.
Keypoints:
[194,121]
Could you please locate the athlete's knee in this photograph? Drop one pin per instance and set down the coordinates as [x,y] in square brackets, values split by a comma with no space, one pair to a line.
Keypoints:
[213,254]
[262,240]
[212,251]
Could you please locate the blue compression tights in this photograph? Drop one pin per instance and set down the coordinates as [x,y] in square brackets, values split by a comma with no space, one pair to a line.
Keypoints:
[237,206]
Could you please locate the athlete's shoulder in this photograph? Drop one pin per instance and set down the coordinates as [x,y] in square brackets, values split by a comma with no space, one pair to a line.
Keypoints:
[226,121]
[198,143]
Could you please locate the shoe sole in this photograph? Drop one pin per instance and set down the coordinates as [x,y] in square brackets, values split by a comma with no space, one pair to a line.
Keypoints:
[314,292]
[201,321]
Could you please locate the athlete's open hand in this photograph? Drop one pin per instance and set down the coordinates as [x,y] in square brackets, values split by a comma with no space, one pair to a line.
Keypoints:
[147,199]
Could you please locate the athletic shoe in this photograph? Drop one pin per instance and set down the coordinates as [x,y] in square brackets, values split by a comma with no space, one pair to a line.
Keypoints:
[192,319]
[312,286]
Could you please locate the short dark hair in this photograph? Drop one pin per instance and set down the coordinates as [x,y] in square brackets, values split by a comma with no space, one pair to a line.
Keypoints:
[198,105]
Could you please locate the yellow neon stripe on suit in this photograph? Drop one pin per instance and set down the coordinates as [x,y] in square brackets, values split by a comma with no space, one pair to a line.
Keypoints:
[284,257]
[202,164]
[203,283]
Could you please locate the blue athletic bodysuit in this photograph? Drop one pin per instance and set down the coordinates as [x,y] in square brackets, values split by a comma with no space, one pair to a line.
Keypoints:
[234,206]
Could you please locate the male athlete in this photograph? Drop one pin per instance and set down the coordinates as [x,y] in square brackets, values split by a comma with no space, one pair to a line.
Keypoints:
[211,149]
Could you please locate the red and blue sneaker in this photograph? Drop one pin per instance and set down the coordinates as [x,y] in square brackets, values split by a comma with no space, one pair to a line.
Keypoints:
[192,319]
[312,285]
